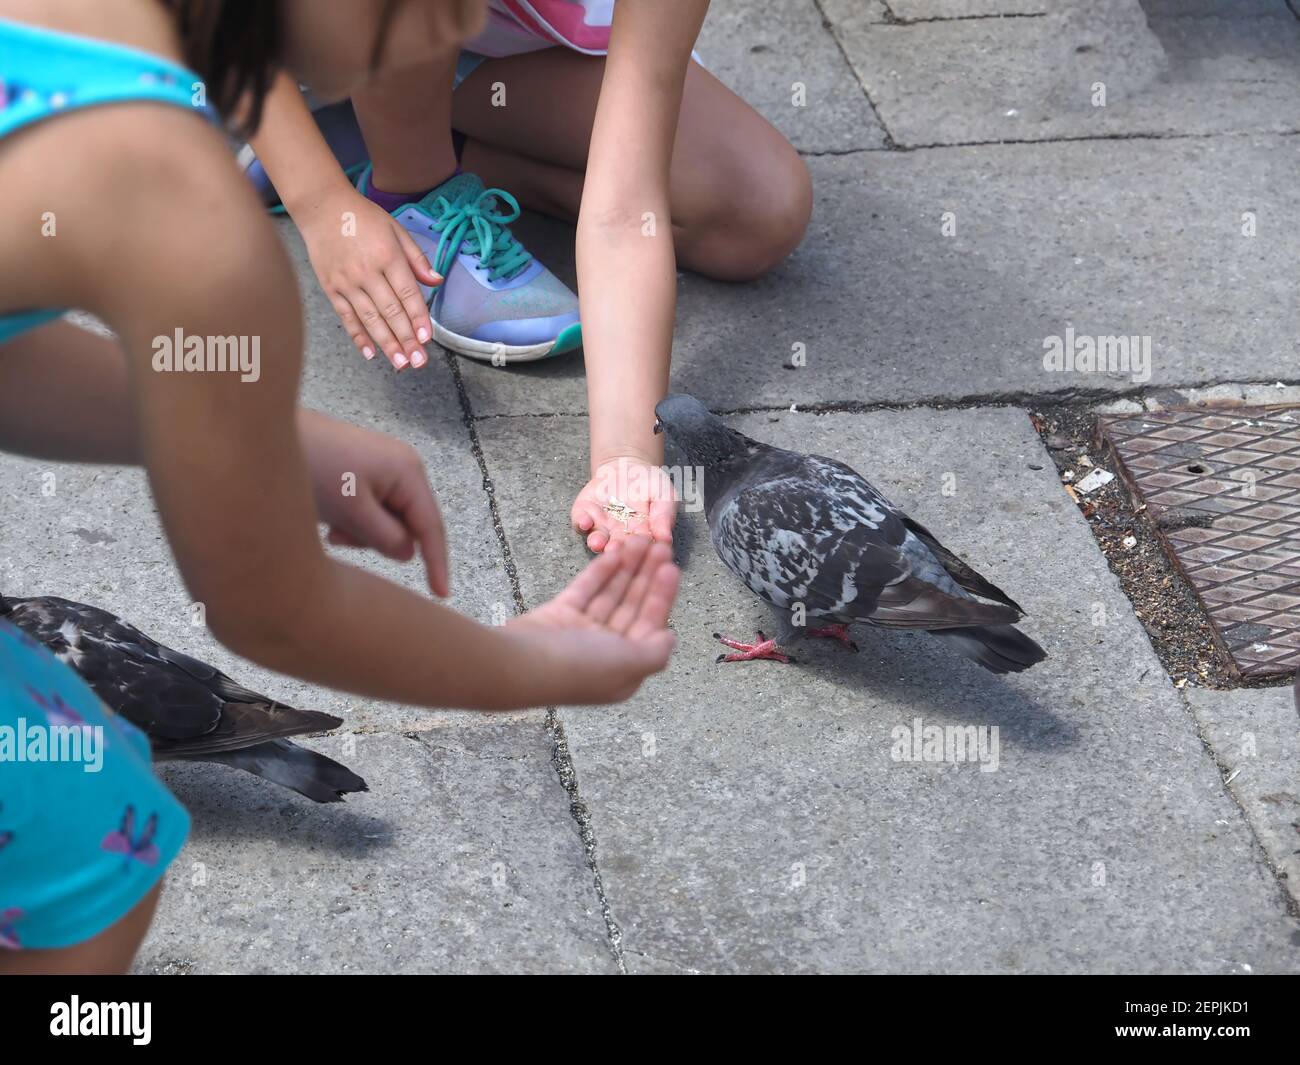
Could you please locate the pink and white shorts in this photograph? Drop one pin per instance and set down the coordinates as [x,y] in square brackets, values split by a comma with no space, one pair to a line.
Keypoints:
[515,27]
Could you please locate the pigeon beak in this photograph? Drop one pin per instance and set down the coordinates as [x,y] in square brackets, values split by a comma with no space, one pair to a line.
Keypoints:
[659,425]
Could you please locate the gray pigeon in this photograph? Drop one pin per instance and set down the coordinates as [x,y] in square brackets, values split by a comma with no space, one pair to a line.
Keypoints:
[188,709]
[826,550]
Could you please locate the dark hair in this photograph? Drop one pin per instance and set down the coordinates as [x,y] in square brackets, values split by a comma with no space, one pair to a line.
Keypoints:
[237,48]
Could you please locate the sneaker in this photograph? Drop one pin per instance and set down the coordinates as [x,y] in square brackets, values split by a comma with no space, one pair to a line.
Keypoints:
[496,303]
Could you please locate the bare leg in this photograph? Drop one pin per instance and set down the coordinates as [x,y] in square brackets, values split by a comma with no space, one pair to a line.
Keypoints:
[546,187]
[405,118]
[108,954]
[740,194]
[60,367]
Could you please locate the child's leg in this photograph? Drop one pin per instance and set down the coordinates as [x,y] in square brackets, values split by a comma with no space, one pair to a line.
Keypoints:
[741,195]
[86,829]
[108,954]
[405,117]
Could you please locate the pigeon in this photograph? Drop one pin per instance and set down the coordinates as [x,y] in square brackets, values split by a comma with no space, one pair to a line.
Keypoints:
[817,542]
[188,709]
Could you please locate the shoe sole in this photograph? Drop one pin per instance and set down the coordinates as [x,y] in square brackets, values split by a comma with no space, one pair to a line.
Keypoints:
[500,354]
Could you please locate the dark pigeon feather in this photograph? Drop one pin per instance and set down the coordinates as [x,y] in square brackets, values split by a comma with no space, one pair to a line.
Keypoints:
[188,709]
[808,530]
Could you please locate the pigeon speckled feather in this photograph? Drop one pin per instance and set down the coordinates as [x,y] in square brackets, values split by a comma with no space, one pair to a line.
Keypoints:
[188,709]
[826,550]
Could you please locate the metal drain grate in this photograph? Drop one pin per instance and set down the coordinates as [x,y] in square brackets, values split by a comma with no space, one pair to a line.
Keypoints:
[1223,486]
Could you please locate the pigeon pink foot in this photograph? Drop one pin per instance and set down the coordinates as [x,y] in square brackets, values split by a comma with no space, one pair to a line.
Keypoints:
[762,647]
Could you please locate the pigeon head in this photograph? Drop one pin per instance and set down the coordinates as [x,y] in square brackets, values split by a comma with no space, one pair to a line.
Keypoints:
[698,431]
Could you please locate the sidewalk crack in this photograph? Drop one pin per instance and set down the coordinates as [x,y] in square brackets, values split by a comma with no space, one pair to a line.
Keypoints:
[894,20]
[561,759]
[890,145]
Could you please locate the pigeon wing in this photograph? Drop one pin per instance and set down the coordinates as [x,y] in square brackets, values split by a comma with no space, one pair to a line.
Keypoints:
[129,671]
[962,573]
[217,681]
[820,534]
[242,725]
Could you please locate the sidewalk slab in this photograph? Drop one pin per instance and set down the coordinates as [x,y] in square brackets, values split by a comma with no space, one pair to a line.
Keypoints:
[1142,238]
[1255,735]
[462,858]
[1231,70]
[750,817]
[761,50]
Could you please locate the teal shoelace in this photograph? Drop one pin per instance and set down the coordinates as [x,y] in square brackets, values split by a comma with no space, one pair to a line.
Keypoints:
[480,228]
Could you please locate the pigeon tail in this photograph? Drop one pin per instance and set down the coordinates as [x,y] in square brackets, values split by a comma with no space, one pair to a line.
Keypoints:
[998,648]
[319,778]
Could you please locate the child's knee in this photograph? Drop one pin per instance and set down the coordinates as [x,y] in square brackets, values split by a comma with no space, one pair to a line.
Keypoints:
[788,189]
[760,215]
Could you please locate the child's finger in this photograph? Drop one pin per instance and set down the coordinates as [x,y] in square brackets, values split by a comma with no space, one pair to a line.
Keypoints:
[583,516]
[662,518]
[375,325]
[626,612]
[423,518]
[339,538]
[658,602]
[404,287]
[631,553]
[597,540]
[353,326]
[379,527]
[590,581]
[416,259]
[385,298]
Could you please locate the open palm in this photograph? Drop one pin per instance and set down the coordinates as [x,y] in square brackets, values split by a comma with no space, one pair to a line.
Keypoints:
[608,630]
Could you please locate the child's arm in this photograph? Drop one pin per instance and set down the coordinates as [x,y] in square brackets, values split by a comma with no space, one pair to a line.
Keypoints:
[626,266]
[391,508]
[234,488]
[367,264]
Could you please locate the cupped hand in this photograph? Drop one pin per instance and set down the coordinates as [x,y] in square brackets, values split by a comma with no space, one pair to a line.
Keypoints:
[626,497]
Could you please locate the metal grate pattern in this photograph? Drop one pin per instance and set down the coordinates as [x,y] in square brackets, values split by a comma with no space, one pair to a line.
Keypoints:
[1224,489]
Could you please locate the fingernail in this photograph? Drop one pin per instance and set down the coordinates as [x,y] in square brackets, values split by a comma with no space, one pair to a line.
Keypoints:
[418,359]
[399,360]
[423,334]
[369,353]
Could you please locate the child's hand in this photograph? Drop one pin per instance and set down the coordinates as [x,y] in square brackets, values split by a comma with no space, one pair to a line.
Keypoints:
[369,266]
[608,630]
[372,491]
[625,497]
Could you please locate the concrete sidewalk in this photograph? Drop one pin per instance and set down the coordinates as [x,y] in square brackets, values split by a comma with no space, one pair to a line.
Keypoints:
[972,199]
